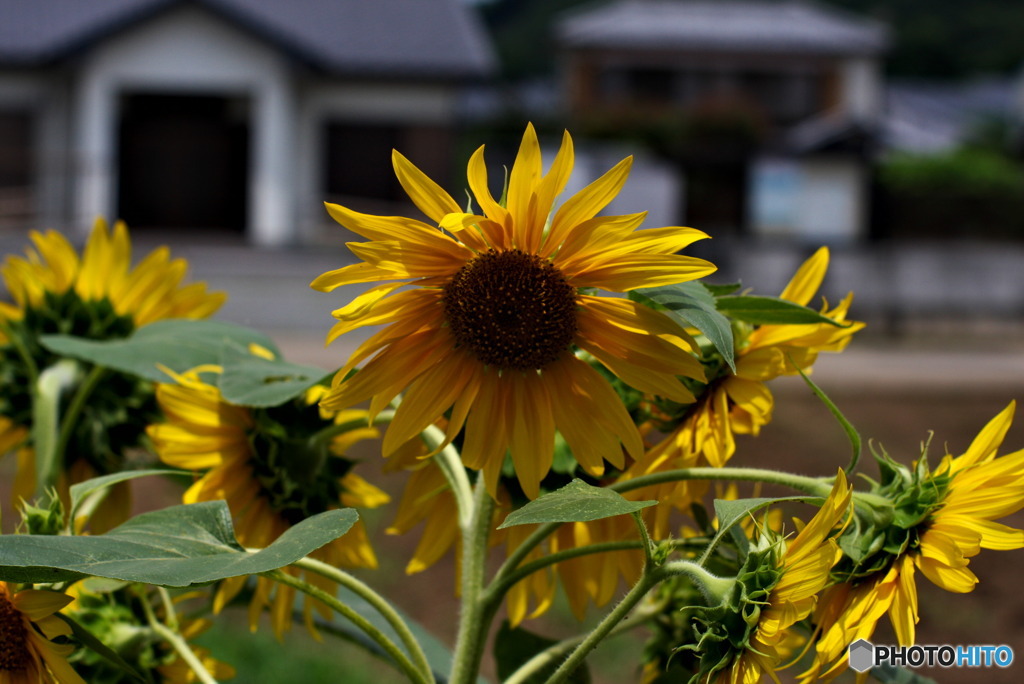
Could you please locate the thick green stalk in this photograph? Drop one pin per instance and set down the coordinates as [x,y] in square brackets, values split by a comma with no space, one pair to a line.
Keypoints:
[474,619]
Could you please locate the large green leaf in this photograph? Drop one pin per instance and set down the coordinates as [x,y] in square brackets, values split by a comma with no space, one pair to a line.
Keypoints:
[178,344]
[575,502]
[693,305]
[249,380]
[174,547]
[761,310]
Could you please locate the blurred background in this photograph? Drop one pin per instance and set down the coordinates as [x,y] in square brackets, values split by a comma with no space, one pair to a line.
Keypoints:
[892,131]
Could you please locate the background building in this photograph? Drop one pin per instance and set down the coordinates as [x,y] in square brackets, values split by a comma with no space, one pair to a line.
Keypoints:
[236,115]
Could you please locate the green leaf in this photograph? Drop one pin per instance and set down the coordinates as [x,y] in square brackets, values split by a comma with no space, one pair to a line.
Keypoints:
[575,502]
[249,380]
[761,310]
[86,638]
[515,646]
[179,344]
[173,547]
[851,432]
[78,492]
[693,304]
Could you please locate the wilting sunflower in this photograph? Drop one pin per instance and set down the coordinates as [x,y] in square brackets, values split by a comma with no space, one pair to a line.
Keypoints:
[740,402]
[275,467]
[97,296]
[498,308]
[27,628]
[943,519]
[778,585]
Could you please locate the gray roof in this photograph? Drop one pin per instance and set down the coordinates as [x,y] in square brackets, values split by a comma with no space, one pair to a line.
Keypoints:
[372,37]
[722,26]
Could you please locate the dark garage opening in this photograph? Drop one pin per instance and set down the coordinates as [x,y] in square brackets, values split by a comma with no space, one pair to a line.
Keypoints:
[183,162]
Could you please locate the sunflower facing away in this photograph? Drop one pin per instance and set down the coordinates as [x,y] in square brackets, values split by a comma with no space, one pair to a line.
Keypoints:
[780,582]
[98,296]
[270,476]
[946,517]
[27,626]
[498,308]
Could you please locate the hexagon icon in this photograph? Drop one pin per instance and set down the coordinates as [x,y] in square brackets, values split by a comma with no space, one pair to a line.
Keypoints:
[862,655]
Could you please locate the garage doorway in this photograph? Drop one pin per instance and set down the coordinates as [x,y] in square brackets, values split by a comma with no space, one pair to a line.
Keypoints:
[183,162]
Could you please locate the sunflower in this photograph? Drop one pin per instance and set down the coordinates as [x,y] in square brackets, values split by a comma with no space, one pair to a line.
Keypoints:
[780,581]
[97,296]
[274,467]
[740,402]
[498,308]
[27,628]
[943,519]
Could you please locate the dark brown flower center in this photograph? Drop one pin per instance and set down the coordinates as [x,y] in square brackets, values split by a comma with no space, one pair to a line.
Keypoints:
[14,653]
[511,309]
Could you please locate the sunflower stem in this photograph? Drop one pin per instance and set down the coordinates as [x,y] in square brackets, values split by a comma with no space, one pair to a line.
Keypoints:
[810,485]
[385,609]
[78,402]
[500,586]
[474,620]
[177,642]
[450,463]
[652,575]
[645,537]
[552,653]
[604,629]
[358,620]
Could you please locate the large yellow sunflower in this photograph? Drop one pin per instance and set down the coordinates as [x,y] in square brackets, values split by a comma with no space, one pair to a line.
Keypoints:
[962,499]
[27,627]
[802,568]
[273,472]
[98,296]
[498,308]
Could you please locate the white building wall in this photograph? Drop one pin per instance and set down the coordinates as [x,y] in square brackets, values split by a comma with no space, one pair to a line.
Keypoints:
[189,51]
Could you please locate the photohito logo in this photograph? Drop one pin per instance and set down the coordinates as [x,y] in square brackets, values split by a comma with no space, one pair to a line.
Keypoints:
[864,655]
